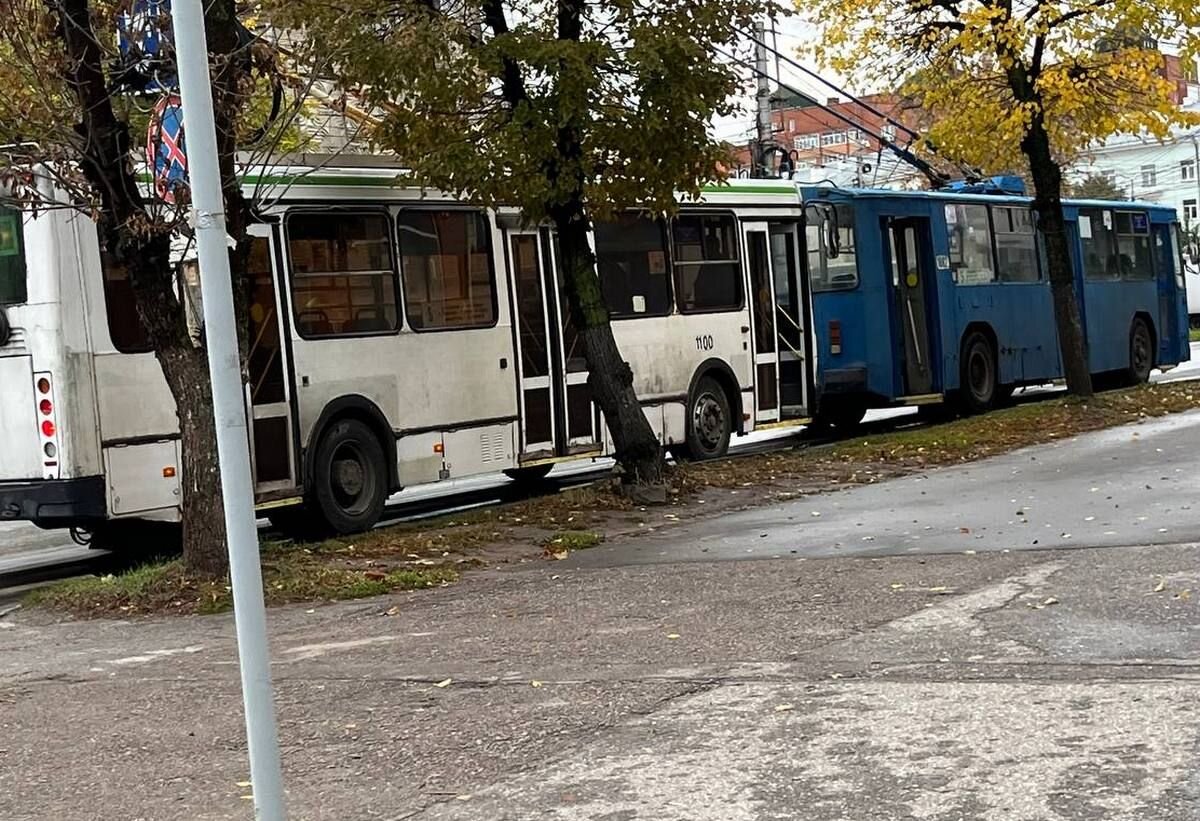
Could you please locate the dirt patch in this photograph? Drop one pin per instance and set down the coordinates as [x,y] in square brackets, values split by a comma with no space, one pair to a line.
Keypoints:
[433,552]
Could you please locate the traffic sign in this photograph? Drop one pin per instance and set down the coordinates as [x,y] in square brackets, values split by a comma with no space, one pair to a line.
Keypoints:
[165,152]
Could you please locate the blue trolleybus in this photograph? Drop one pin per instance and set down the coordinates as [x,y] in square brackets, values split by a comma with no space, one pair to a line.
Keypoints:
[918,297]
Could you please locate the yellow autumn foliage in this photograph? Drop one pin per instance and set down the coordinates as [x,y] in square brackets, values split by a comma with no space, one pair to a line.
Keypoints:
[985,71]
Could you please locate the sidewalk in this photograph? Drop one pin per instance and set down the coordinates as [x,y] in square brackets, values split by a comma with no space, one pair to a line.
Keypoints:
[938,687]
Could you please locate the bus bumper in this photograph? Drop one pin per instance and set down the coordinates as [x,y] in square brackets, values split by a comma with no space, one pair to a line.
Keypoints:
[54,502]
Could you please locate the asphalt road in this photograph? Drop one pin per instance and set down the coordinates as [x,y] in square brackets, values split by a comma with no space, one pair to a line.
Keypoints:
[986,683]
[23,545]
[1129,485]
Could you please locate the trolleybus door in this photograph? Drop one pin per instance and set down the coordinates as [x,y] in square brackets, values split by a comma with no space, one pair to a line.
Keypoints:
[912,277]
[790,319]
[580,419]
[557,414]
[763,322]
[268,390]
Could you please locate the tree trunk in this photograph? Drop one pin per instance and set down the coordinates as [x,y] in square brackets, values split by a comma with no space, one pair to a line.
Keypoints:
[1047,202]
[203,518]
[185,367]
[610,377]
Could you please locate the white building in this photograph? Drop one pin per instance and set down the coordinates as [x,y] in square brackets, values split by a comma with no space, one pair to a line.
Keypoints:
[1152,171]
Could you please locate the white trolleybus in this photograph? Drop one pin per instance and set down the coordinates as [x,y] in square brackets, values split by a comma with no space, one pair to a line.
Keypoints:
[398,338]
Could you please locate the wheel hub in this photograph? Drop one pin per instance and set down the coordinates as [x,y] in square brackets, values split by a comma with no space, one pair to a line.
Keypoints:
[709,420]
[348,477]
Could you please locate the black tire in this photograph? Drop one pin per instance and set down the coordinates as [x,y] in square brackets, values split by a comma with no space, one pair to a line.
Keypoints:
[350,480]
[978,379]
[529,475]
[709,421]
[1141,353]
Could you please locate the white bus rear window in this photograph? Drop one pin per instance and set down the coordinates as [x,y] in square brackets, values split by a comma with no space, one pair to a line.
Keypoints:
[124,327]
[12,259]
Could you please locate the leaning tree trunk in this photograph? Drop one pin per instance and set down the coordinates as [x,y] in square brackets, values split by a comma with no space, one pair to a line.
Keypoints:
[610,377]
[1047,202]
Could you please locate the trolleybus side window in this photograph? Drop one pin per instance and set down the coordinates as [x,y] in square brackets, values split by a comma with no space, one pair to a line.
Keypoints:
[970,238]
[1016,247]
[343,276]
[446,260]
[708,271]
[631,258]
[830,242]
[12,258]
[1097,238]
[124,327]
[1135,258]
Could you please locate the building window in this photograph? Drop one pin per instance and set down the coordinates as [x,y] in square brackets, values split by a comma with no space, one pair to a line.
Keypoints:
[791,125]
[1134,253]
[970,240]
[708,273]
[1190,212]
[631,257]
[446,261]
[889,132]
[12,258]
[1187,170]
[806,142]
[124,328]
[833,138]
[1149,176]
[343,276]
[1016,247]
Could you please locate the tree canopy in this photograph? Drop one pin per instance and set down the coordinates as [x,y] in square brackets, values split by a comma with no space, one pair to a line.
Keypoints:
[984,68]
[472,94]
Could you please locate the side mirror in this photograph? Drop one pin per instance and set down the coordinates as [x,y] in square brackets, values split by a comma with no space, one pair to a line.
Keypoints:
[833,246]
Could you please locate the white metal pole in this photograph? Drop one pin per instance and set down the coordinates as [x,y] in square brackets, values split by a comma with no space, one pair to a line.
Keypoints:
[233,450]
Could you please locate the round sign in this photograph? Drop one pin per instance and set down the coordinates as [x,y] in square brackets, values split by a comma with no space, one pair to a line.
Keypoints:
[165,152]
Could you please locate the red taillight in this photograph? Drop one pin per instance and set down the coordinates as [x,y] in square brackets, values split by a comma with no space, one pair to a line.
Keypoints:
[43,385]
[45,407]
[47,428]
[835,336]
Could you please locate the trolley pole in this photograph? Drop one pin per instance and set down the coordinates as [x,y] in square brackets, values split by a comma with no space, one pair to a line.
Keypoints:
[233,450]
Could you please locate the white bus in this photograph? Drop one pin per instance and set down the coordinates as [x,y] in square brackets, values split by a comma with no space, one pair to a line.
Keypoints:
[398,338]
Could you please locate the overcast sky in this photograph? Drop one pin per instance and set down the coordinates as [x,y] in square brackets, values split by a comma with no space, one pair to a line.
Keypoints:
[791,34]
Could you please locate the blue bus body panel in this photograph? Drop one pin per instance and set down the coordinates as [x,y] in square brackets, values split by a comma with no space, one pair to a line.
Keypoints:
[1020,315]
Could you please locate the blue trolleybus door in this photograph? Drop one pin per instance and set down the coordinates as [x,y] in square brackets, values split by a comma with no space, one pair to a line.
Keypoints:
[912,276]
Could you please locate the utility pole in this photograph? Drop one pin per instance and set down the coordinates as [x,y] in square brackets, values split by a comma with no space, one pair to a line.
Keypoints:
[233,448]
[1196,167]
[763,101]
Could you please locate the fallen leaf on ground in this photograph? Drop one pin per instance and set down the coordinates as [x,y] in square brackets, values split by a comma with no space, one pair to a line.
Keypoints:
[783,708]
[444,683]
[1161,586]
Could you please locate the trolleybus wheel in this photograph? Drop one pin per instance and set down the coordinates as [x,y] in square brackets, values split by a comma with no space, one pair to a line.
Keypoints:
[529,475]
[1141,353]
[350,477]
[978,379]
[709,421]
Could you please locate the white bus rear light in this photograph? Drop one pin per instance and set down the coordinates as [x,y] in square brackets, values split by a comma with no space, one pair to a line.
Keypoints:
[48,428]
[43,385]
[50,450]
[46,407]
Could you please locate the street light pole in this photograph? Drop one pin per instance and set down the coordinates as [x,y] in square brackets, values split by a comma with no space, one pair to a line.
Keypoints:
[233,449]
